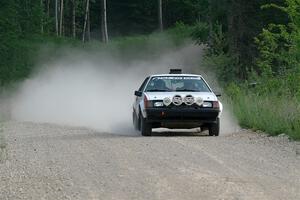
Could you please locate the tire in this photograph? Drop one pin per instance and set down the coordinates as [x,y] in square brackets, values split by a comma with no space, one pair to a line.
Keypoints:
[146,128]
[214,129]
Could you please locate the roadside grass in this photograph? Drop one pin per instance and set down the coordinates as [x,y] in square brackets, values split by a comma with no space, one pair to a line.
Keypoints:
[272,114]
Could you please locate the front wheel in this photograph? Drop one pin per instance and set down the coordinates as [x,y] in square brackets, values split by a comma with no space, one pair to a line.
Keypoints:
[146,128]
[214,129]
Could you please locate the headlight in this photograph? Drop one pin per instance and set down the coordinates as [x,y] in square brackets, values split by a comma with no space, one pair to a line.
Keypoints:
[158,104]
[207,104]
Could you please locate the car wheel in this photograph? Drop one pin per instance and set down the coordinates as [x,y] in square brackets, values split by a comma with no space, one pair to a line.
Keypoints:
[214,129]
[146,128]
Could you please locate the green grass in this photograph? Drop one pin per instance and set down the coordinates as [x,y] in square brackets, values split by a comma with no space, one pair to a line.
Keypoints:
[271,114]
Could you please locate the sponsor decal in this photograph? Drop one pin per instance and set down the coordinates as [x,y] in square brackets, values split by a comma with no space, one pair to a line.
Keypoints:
[177,78]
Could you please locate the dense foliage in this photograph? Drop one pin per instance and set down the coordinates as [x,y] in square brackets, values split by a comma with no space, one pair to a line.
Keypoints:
[253,46]
[256,54]
[26,24]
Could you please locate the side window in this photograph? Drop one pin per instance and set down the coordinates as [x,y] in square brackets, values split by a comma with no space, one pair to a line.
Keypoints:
[143,84]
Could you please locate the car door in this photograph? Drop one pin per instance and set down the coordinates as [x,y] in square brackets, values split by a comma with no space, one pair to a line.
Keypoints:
[139,99]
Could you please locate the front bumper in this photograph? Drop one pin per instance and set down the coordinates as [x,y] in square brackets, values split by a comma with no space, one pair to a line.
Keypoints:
[197,115]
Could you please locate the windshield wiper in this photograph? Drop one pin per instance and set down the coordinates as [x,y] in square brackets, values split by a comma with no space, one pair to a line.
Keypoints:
[157,90]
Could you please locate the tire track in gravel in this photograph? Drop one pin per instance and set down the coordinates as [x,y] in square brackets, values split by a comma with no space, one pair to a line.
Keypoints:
[261,170]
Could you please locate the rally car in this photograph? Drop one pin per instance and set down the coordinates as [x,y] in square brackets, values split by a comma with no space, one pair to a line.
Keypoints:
[176,101]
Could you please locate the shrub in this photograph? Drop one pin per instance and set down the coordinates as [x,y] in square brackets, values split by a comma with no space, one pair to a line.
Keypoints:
[268,112]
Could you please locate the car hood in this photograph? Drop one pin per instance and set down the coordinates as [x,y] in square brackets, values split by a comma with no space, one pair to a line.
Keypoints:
[206,96]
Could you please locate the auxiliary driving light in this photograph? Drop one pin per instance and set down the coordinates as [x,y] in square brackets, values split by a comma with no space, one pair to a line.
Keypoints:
[199,101]
[167,101]
[177,100]
[189,100]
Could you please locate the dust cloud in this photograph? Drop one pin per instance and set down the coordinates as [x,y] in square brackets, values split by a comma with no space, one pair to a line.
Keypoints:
[94,89]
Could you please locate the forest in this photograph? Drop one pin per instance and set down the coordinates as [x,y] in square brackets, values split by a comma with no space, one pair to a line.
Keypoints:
[252,46]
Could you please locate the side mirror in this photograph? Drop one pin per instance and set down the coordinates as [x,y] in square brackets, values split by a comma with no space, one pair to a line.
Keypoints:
[138,93]
[218,94]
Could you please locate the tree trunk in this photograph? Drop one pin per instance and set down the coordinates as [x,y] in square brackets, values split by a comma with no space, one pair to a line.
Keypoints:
[104,22]
[160,15]
[42,17]
[61,17]
[48,8]
[56,17]
[74,18]
[85,19]
[210,22]
[89,27]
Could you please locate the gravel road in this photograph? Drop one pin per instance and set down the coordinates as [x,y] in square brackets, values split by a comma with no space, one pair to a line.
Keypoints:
[44,161]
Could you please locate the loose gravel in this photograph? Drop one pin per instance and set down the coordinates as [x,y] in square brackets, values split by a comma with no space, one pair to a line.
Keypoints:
[47,161]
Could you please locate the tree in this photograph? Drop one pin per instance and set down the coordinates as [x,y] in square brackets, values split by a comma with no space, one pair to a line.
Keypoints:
[48,8]
[42,20]
[104,22]
[61,17]
[279,44]
[56,17]
[74,18]
[160,15]
[85,19]
[89,26]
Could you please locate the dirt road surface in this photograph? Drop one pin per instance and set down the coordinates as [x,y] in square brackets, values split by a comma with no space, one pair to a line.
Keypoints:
[43,161]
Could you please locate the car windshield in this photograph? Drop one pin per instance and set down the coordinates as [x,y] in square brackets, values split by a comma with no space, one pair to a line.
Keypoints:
[177,83]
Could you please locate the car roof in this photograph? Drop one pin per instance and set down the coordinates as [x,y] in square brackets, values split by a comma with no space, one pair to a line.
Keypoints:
[192,75]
